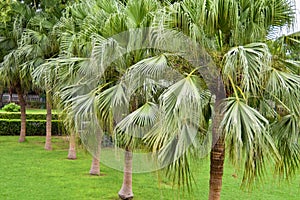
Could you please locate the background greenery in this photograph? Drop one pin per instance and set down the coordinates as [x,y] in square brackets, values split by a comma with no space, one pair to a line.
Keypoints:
[29,172]
[35,125]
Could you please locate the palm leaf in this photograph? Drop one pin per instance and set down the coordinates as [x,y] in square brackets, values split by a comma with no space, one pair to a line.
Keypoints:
[286,132]
[247,137]
[113,100]
[134,126]
[285,87]
[150,71]
[246,64]
[174,136]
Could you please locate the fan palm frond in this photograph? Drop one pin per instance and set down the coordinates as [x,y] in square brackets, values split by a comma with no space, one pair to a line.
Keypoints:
[113,100]
[248,139]
[286,132]
[285,88]
[246,64]
[180,120]
[134,126]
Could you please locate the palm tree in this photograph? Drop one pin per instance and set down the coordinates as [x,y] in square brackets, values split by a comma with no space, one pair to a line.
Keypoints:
[134,15]
[111,99]
[74,48]
[11,66]
[234,33]
[40,38]
[254,78]
[76,44]
[101,22]
[40,42]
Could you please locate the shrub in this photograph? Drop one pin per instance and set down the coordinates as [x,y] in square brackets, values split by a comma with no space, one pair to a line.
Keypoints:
[11,107]
[33,127]
[36,104]
[33,116]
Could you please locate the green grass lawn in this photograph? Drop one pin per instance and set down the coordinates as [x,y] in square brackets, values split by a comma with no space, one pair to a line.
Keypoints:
[28,172]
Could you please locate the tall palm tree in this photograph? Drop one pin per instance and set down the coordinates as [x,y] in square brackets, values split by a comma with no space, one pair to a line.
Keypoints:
[111,100]
[253,77]
[74,45]
[234,33]
[106,19]
[40,40]
[11,66]
[77,43]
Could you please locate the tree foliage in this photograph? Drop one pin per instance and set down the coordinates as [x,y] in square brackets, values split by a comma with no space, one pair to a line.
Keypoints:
[156,99]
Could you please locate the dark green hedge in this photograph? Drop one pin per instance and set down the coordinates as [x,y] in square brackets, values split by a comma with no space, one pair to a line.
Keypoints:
[33,127]
[17,115]
[35,104]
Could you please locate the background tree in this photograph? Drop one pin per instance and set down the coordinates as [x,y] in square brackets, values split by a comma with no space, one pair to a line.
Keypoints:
[41,42]
[74,48]
[1,92]
[11,66]
[97,20]
[23,47]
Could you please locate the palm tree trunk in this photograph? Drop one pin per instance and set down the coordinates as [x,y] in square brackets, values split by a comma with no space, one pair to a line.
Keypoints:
[216,169]
[126,191]
[95,167]
[1,96]
[72,147]
[48,145]
[217,156]
[22,103]
[10,94]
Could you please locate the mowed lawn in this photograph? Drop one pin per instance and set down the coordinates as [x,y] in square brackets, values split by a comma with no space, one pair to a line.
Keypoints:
[28,172]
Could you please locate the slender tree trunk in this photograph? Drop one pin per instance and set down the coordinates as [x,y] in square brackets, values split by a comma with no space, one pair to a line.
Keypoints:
[1,95]
[1,102]
[216,169]
[126,191]
[72,147]
[10,94]
[95,167]
[217,156]
[48,145]
[22,103]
